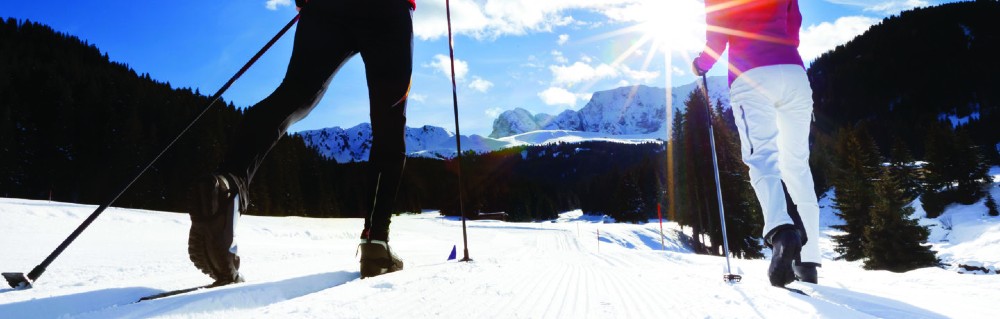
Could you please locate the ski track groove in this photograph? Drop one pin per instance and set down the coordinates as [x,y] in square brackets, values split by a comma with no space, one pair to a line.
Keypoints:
[520,271]
[542,284]
[559,279]
[644,285]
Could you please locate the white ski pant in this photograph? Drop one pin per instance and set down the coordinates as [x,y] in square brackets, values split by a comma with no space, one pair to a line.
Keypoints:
[773,109]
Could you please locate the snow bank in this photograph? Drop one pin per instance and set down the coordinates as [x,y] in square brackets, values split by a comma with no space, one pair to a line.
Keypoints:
[305,268]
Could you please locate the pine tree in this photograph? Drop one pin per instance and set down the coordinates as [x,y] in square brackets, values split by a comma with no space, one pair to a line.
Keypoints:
[696,189]
[893,241]
[991,205]
[628,199]
[900,165]
[674,174]
[857,164]
[956,170]
[744,221]
[971,171]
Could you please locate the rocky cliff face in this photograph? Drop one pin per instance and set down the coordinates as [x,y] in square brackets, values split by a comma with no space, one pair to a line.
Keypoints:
[623,111]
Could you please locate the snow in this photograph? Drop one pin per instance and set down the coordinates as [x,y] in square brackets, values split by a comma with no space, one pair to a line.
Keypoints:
[547,137]
[306,268]
[969,37]
[354,144]
[626,110]
[957,121]
[632,114]
[966,235]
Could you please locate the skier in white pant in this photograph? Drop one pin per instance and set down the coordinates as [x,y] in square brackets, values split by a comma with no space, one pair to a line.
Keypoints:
[772,103]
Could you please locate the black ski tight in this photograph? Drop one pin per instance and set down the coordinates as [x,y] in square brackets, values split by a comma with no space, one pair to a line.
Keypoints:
[329,33]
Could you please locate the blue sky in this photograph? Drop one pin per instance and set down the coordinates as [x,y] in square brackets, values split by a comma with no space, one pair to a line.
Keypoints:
[542,55]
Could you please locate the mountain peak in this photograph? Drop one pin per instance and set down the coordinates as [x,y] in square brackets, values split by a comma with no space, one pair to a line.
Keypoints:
[628,110]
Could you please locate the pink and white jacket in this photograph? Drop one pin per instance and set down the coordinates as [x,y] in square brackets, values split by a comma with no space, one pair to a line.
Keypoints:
[758,32]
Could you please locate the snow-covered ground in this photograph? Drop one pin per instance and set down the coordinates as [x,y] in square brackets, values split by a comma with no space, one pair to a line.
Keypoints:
[964,235]
[306,268]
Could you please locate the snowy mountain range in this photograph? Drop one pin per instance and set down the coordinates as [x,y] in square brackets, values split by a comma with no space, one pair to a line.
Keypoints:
[354,144]
[628,114]
[623,111]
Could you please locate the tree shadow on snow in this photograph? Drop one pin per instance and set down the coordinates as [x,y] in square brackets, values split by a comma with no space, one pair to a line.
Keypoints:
[651,239]
[240,296]
[836,302]
[877,306]
[121,302]
[57,306]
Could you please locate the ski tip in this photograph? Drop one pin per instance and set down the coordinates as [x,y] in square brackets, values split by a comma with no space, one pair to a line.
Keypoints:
[796,291]
[17,280]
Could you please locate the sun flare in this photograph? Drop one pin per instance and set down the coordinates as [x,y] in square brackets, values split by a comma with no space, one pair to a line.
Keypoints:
[677,25]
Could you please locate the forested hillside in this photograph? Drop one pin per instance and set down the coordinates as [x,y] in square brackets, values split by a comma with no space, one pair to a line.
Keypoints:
[75,126]
[921,69]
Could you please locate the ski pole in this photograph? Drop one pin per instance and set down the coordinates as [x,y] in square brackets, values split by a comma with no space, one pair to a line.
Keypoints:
[20,281]
[730,277]
[458,134]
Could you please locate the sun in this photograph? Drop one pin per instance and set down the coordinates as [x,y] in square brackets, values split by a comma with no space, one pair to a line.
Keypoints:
[673,30]
[677,25]
[667,29]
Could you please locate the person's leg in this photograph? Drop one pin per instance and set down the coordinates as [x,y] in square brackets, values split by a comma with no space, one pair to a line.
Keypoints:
[794,119]
[388,54]
[321,47]
[319,50]
[754,95]
[753,109]
[387,50]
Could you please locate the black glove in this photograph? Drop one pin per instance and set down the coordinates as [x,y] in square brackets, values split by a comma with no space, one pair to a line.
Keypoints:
[695,69]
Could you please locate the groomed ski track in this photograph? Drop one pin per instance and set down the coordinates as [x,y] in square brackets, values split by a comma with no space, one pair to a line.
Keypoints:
[306,268]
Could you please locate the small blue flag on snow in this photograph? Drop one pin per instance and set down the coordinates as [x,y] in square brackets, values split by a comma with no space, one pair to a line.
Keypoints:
[454,253]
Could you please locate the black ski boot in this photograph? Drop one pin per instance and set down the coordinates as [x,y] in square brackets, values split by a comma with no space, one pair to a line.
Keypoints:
[377,258]
[806,272]
[786,245]
[213,221]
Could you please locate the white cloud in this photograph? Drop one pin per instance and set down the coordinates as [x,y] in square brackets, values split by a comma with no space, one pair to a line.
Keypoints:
[479,84]
[563,38]
[894,7]
[641,76]
[442,64]
[584,72]
[558,56]
[274,4]
[677,71]
[417,98]
[817,39]
[581,72]
[490,19]
[558,96]
[886,7]
[494,112]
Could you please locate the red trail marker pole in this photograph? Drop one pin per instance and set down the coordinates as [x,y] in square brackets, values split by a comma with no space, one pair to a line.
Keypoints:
[659,213]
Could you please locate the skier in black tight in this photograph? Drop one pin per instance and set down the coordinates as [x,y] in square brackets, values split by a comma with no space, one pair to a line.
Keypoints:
[329,33]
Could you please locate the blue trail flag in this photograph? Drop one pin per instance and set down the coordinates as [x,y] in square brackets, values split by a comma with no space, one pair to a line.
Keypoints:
[454,253]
